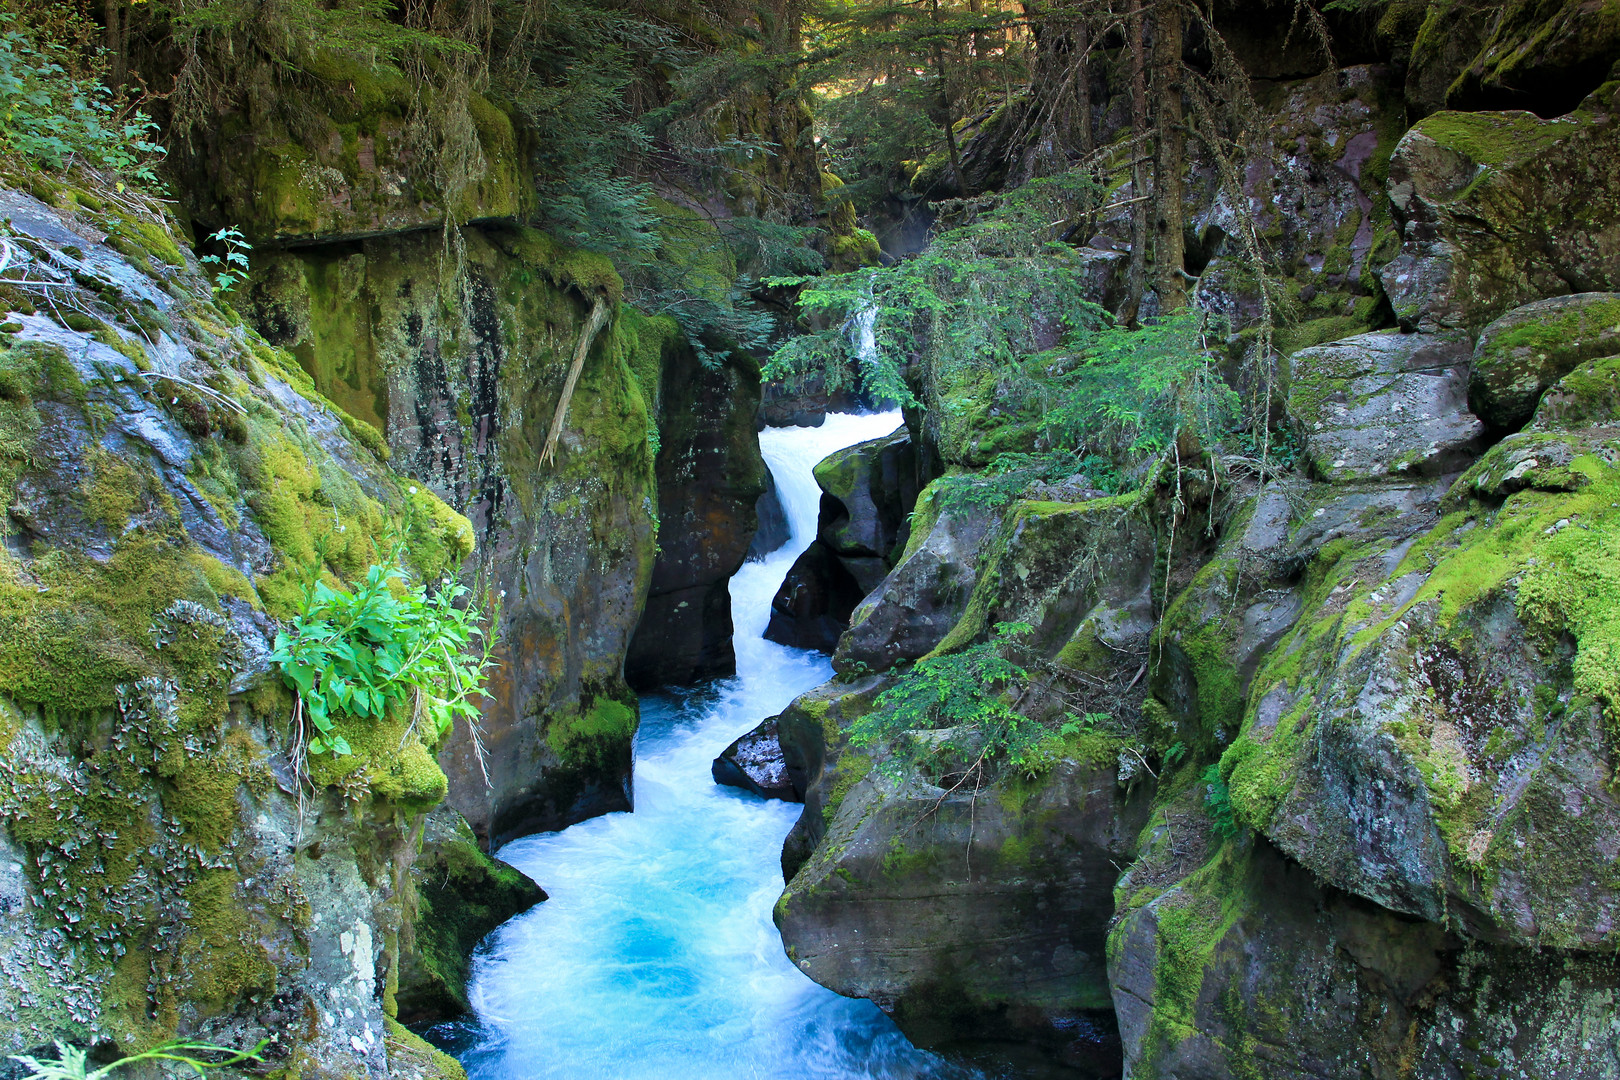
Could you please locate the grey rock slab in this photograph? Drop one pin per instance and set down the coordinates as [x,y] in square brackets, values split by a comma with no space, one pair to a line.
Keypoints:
[1385,404]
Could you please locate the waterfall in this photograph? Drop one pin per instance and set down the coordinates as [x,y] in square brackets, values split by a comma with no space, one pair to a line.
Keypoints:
[656,957]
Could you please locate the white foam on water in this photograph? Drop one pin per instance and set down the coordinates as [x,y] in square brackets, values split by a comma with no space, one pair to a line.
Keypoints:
[655,957]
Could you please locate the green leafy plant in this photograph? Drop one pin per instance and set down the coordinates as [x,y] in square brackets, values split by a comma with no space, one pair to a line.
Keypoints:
[56,118]
[385,645]
[233,265]
[71,1062]
[1218,801]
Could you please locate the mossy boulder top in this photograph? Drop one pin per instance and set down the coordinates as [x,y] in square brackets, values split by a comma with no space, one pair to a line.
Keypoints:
[1524,352]
[1499,209]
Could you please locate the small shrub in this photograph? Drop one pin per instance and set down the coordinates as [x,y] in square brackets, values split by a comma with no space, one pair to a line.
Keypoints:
[233,265]
[56,118]
[1218,801]
[383,646]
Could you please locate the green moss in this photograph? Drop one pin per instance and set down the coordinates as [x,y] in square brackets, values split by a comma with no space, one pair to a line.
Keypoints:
[1191,922]
[407,1046]
[1588,395]
[1203,628]
[1291,339]
[901,862]
[220,960]
[1047,534]
[598,730]
[838,473]
[565,266]
[851,769]
[1494,139]
[856,248]
[389,759]
[149,237]
[113,490]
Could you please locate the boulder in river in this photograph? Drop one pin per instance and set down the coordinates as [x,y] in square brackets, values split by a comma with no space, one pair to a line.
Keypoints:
[755,763]
[461,895]
[813,605]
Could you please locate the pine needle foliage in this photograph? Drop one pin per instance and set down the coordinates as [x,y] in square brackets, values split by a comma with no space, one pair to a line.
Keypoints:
[959,713]
[1002,302]
[986,294]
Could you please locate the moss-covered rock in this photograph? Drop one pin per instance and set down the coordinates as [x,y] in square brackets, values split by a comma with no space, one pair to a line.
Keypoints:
[1435,733]
[969,915]
[171,480]
[462,368]
[1527,350]
[353,165]
[1588,395]
[1245,965]
[1542,55]
[1500,209]
[920,600]
[873,486]
[461,894]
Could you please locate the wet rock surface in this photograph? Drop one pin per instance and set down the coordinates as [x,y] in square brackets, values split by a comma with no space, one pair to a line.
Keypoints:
[755,763]
[462,895]
[813,606]
[710,478]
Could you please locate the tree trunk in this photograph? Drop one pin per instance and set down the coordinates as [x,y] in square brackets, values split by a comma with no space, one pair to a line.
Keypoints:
[116,41]
[1169,249]
[945,104]
[593,325]
[1136,272]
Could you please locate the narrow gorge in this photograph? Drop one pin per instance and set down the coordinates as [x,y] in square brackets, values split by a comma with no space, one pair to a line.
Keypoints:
[968,540]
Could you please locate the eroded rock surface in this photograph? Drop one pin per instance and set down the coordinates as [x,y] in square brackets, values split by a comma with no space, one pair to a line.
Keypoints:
[173,863]
[1385,404]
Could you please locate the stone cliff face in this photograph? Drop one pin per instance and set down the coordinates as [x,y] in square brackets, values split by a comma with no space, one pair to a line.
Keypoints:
[461,364]
[1361,820]
[167,476]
